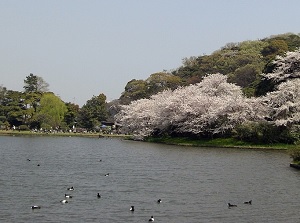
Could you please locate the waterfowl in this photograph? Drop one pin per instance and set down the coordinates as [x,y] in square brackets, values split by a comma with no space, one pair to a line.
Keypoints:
[151,219]
[106,175]
[232,205]
[70,188]
[28,159]
[68,196]
[35,207]
[248,202]
[159,201]
[98,195]
[64,201]
[132,208]
[38,165]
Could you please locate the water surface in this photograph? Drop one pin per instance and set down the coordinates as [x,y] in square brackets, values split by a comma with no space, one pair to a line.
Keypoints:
[195,184]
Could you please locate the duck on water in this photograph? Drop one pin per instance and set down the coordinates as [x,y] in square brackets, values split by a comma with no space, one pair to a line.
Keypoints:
[151,218]
[70,188]
[231,205]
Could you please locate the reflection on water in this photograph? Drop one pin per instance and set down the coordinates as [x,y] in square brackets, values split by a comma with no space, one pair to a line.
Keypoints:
[194,184]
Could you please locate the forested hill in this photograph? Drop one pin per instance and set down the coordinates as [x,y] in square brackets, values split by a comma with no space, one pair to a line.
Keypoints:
[242,62]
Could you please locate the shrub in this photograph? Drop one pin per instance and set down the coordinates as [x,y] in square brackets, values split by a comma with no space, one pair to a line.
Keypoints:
[248,132]
[263,132]
[46,127]
[295,154]
[23,128]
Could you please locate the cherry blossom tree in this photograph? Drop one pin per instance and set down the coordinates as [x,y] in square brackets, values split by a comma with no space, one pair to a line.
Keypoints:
[285,67]
[284,103]
[212,106]
[215,106]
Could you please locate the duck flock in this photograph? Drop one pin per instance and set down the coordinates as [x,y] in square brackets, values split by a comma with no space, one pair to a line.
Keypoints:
[69,196]
[132,208]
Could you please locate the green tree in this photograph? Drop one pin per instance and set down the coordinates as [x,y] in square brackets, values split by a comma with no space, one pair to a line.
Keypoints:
[13,107]
[51,111]
[275,47]
[3,91]
[34,87]
[158,82]
[32,100]
[93,112]
[71,114]
[134,90]
[245,75]
[291,39]
[35,84]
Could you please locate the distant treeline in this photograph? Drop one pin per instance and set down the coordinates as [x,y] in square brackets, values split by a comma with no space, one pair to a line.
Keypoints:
[38,109]
[242,63]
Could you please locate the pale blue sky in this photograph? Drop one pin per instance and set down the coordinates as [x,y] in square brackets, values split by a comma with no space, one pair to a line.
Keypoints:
[86,47]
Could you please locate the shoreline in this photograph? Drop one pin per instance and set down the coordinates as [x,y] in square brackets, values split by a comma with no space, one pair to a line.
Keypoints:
[60,134]
[219,143]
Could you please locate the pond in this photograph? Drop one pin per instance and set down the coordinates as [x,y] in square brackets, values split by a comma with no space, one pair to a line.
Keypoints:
[194,184]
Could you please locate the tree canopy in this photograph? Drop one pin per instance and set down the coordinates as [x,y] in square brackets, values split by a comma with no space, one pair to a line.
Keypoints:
[242,62]
[216,107]
[247,89]
[34,84]
[37,108]
[211,107]
[93,112]
[51,111]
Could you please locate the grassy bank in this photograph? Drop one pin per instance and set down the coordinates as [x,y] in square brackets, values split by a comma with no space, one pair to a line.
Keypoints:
[68,134]
[184,141]
[219,142]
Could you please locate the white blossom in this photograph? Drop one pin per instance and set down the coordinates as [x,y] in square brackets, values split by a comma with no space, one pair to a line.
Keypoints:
[286,67]
[284,103]
[216,106]
[212,106]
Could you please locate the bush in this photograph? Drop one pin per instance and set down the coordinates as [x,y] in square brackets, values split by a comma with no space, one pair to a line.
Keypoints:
[263,132]
[295,154]
[23,128]
[64,127]
[249,132]
[46,127]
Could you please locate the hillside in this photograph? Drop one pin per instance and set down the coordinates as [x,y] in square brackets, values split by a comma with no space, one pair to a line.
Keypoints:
[242,62]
